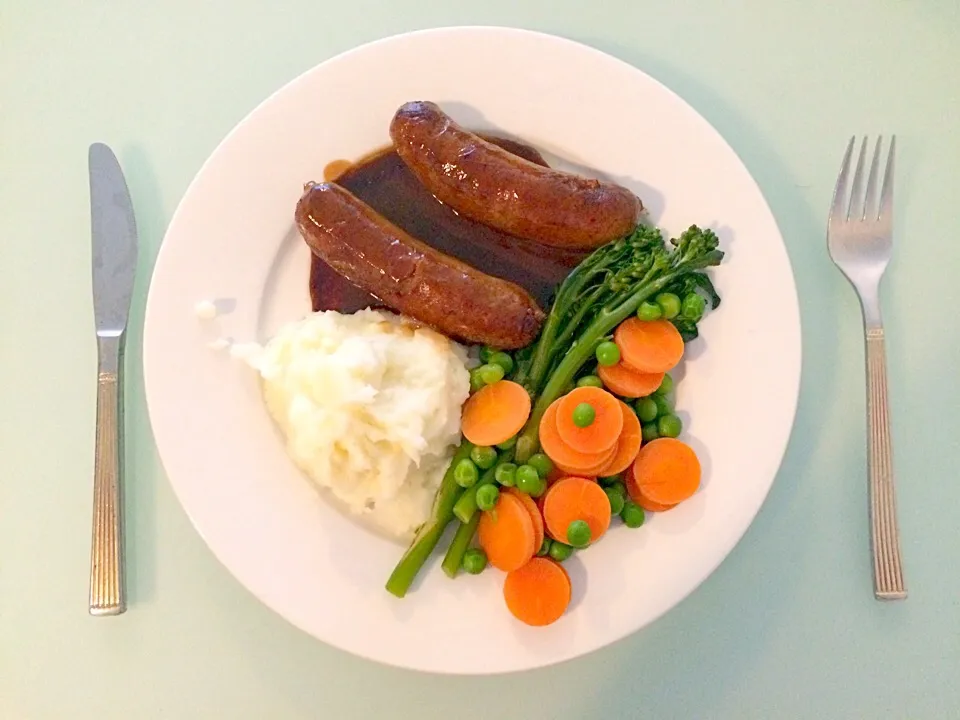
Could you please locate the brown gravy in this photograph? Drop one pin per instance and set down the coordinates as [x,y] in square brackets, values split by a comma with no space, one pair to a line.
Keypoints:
[385,183]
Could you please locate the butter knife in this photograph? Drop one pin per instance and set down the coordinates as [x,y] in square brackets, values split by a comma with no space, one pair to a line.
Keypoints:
[114,267]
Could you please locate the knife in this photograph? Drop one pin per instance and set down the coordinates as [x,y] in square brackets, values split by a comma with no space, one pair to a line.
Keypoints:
[114,267]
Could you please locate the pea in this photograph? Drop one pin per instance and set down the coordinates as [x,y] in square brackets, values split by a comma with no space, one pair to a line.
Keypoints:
[474,561]
[649,311]
[483,457]
[465,474]
[487,352]
[620,488]
[476,380]
[616,500]
[541,463]
[503,360]
[608,353]
[507,444]
[609,480]
[506,474]
[669,426]
[487,496]
[590,381]
[632,514]
[666,385]
[664,406]
[529,481]
[693,306]
[669,305]
[544,547]
[646,409]
[584,415]
[490,373]
[560,551]
[578,533]
[649,431]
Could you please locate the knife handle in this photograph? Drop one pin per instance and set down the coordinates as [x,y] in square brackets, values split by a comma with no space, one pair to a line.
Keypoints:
[107,596]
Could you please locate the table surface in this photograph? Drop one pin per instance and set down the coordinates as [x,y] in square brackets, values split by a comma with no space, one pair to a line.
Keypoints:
[786,627]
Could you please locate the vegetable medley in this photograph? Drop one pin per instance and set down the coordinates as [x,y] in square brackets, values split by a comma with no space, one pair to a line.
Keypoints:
[577,428]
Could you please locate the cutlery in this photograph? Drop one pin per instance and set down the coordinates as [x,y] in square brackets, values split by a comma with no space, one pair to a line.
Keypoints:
[114,234]
[860,242]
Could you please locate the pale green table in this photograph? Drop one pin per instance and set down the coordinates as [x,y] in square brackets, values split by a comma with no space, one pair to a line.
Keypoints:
[786,628]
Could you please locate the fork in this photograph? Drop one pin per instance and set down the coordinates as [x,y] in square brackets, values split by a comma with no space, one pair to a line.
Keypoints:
[860,241]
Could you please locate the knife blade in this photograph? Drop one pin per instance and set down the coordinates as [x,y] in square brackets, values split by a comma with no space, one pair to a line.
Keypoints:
[114,236]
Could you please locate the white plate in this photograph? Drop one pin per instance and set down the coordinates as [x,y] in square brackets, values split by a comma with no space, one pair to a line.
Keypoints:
[232,239]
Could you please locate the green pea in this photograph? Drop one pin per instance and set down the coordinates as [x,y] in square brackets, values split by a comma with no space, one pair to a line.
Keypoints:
[465,474]
[506,474]
[490,373]
[616,500]
[503,360]
[646,409]
[666,385]
[693,306]
[541,463]
[669,305]
[649,431]
[474,561]
[529,481]
[632,514]
[483,457]
[544,547]
[584,415]
[487,496]
[669,426]
[590,381]
[609,480]
[664,406]
[608,353]
[476,380]
[619,488]
[649,311]
[578,533]
[508,444]
[560,551]
[487,352]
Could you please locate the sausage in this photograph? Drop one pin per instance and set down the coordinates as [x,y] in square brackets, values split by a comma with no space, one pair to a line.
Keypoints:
[495,187]
[411,277]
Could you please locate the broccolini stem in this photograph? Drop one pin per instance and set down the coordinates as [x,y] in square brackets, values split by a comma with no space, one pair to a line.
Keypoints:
[461,541]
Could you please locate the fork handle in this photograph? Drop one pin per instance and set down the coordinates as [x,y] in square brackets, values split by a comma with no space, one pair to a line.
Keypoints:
[884,534]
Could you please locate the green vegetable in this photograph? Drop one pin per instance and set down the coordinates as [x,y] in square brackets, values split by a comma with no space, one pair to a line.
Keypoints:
[508,444]
[608,353]
[646,409]
[649,311]
[649,431]
[466,506]
[529,481]
[486,353]
[666,385]
[453,560]
[609,480]
[466,473]
[619,487]
[669,305]
[590,381]
[632,514]
[428,534]
[476,380]
[664,406]
[669,426]
[484,457]
[541,463]
[584,415]
[487,496]
[506,474]
[616,500]
[503,360]
[490,373]
[693,306]
[578,534]
[474,561]
[560,551]
[544,547]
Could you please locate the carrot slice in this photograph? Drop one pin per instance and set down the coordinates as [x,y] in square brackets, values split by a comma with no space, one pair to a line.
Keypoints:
[640,499]
[607,423]
[564,456]
[576,498]
[624,381]
[627,446]
[495,413]
[538,593]
[649,346]
[530,505]
[666,471]
[592,471]
[506,534]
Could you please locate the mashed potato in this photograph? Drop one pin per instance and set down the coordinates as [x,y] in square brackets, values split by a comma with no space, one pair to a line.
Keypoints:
[369,407]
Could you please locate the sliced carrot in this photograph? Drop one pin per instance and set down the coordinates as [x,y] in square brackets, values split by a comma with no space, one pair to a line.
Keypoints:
[576,498]
[627,446]
[495,413]
[639,498]
[624,381]
[649,346]
[593,471]
[506,534]
[564,456]
[666,471]
[538,593]
[535,515]
[607,423]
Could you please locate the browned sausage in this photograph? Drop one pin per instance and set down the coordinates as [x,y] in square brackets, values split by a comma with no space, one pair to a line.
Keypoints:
[411,277]
[495,187]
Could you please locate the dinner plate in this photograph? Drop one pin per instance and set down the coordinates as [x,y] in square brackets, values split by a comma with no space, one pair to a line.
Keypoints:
[232,241]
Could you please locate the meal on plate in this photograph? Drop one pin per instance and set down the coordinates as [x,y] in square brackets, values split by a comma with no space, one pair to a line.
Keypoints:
[490,346]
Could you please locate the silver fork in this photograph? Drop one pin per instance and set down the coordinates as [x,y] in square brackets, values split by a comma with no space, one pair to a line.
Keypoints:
[860,240]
